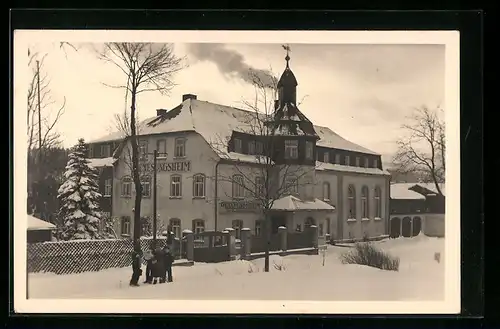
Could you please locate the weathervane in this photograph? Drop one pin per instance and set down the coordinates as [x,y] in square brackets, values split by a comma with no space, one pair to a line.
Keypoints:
[288,50]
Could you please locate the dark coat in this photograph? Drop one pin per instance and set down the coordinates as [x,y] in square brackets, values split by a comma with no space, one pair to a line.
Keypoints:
[158,263]
[136,261]
[169,259]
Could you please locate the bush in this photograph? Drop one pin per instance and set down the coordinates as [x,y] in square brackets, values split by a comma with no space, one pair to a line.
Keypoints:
[368,254]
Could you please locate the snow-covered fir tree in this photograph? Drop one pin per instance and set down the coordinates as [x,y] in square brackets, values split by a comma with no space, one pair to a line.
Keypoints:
[79,196]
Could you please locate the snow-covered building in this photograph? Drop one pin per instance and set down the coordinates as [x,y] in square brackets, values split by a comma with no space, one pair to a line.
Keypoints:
[343,188]
[38,230]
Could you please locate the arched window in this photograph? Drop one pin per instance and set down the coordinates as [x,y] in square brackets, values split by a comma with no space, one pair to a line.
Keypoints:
[199,186]
[146,186]
[176,186]
[351,198]
[238,187]
[378,202]
[364,202]
[326,191]
[126,190]
[175,226]
[237,225]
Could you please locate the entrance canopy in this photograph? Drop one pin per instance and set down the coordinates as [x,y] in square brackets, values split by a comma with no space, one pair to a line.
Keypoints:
[292,203]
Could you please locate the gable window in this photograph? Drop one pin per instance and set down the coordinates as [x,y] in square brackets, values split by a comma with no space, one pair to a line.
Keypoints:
[161,147]
[180,147]
[125,225]
[364,203]
[107,187]
[351,198]
[238,145]
[292,185]
[175,186]
[237,225]
[251,147]
[378,202]
[175,227]
[291,149]
[326,191]
[347,160]
[259,187]
[198,226]
[357,161]
[126,190]
[367,162]
[106,150]
[143,149]
[375,163]
[146,186]
[326,157]
[309,150]
[259,148]
[238,187]
[199,186]
[337,158]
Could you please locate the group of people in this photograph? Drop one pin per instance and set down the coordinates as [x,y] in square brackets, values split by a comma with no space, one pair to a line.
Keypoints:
[158,265]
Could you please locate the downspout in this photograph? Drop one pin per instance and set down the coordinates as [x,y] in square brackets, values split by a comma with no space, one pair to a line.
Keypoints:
[216,192]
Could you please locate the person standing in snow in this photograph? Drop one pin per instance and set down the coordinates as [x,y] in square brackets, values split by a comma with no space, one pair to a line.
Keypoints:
[136,266]
[169,260]
[158,265]
[148,256]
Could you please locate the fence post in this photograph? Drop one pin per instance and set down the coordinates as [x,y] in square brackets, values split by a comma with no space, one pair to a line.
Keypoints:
[232,241]
[189,245]
[245,242]
[283,238]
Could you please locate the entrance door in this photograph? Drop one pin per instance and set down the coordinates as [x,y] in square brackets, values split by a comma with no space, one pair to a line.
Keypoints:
[395,228]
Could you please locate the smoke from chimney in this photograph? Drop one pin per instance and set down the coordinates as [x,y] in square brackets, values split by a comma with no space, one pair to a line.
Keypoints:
[230,62]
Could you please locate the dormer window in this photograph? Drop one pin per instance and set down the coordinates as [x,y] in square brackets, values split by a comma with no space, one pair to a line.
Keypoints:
[337,158]
[375,163]
[251,147]
[357,161]
[309,150]
[326,157]
[291,149]
[237,145]
[106,150]
[367,163]
[347,160]
[259,148]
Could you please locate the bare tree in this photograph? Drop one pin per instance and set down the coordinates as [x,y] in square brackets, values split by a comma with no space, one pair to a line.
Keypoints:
[146,67]
[262,180]
[423,150]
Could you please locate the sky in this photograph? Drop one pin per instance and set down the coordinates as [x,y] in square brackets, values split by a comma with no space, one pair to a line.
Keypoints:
[362,92]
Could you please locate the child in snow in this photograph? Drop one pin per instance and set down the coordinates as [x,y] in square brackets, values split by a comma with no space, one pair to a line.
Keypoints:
[148,257]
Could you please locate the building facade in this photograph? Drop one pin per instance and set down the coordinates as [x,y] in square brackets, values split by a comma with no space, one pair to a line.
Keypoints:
[211,169]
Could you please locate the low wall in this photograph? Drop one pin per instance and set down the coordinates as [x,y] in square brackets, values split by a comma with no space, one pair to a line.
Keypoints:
[433,225]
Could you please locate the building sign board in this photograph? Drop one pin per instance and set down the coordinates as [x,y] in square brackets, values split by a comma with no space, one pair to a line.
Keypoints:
[240,206]
[177,166]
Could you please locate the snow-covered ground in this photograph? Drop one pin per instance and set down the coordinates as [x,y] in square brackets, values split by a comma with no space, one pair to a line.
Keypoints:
[420,278]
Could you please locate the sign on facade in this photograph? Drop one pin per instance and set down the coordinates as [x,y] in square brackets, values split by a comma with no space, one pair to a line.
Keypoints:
[240,206]
[179,166]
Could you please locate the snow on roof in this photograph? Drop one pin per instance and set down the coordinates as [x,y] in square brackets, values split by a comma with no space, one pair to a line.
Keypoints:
[402,191]
[361,170]
[215,123]
[103,162]
[38,224]
[431,187]
[292,203]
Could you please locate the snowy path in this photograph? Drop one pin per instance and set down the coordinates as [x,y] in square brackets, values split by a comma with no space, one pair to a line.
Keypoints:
[304,278]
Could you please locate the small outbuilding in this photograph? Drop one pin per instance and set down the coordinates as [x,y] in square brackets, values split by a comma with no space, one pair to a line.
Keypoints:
[39,230]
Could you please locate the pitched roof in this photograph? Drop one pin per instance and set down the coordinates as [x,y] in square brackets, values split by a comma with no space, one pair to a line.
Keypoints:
[215,123]
[38,224]
[401,191]
[102,162]
[292,203]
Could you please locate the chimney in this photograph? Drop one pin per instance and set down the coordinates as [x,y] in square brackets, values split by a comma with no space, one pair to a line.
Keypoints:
[188,96]
[161,112]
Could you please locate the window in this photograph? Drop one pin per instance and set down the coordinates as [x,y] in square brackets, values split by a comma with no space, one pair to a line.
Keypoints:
[175,227]
[251,147]
[326,191]
[291,149]
[143,149]
[337,158]
[238,145]
[378,202]
[91,151]
[175,186]
[326,157]
[238,187]
[107,187]
[161,148]
[126,187]
[106,150]
[125,225]
[292,185]
[357,161]
[367,163]
[180,148]
[309,150]
[347,161]
[198,226]
[259,148]
[351,198]
[375,163]
[258,228]
[199,186]
[364,202]
[237,225]
[259,187]
[146,186]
